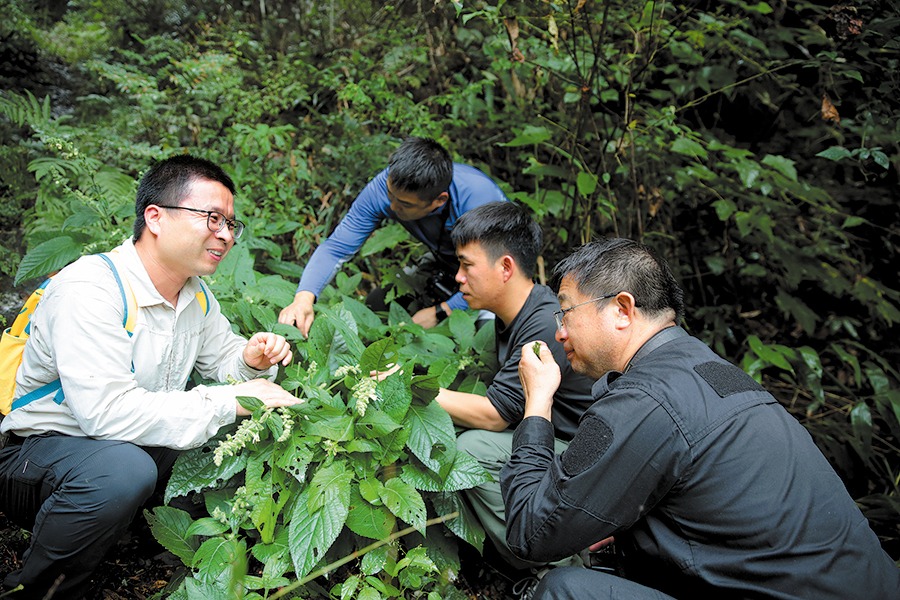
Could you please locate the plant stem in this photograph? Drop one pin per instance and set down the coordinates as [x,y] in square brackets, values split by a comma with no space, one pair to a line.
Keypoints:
[356,554]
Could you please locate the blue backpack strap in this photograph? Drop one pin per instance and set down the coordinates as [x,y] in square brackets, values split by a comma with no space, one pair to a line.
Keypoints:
[55,385]
[128,300]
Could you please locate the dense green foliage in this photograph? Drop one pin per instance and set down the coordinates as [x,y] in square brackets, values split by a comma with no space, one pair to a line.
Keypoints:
[295,487]
[756,145]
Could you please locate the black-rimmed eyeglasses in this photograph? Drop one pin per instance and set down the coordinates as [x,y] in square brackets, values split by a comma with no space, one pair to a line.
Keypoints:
[561,314]
[215,221]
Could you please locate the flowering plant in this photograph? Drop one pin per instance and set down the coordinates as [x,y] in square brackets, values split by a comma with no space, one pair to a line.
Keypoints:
[290,489]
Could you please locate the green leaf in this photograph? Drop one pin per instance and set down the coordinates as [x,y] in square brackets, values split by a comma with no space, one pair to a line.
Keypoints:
[207,527]
[375,522]
[748,171]
[384,238]
[171,528]
[586,183]
[405,502]
[528,136]
[377,356]
[222,561]
[48,257]
[330,484]
[464,526]
[345,328]
[852,222]
[311,533]
[850,360]
[783,165]
[769,353]
[861,421]
[195,470]
[375,424]
[250,403]
[688,147]
[466,473]
[431,436]
[236,269]
[835,153]
[462,328]
[394,394]
[375,561]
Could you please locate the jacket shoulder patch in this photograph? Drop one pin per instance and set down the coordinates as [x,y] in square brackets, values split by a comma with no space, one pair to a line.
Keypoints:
[726,379]
[593,439]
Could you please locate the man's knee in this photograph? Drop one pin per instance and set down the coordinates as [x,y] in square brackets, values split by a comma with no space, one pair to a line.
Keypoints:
[488,447]
[113,483]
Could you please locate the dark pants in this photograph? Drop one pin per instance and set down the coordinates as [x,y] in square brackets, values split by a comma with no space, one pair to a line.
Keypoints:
[576,583]
[77,495]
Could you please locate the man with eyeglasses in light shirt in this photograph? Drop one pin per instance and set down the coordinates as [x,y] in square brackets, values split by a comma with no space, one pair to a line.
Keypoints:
[80,459]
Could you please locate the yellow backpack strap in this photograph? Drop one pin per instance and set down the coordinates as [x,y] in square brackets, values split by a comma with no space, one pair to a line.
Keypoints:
[203,298]
[21,327]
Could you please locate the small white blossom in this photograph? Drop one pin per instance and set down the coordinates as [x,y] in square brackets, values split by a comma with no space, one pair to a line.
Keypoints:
[345,370]
[364,392]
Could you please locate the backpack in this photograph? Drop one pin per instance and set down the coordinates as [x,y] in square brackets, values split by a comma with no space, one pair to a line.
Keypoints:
[12,343]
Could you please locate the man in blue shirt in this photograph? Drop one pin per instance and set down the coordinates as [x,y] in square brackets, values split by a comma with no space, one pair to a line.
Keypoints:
[426,192]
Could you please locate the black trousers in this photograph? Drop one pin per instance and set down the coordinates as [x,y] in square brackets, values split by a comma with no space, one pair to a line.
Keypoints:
[77,496]
[577,583]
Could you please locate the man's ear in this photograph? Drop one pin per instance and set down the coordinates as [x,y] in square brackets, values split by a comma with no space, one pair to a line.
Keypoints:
[152,216]
[625,309]
[508,264]
[440,200]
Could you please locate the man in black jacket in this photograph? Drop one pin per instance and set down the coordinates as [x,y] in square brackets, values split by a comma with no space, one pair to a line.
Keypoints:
[709,487]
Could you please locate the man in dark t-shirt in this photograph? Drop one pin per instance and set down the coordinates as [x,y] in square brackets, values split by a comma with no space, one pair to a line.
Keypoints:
[497,245]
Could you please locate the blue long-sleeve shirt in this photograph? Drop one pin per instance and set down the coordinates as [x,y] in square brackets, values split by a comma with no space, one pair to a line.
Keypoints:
[468,189]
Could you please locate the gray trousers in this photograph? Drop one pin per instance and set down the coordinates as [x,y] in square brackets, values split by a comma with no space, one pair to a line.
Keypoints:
[77,495]
[577,583]
[492,449]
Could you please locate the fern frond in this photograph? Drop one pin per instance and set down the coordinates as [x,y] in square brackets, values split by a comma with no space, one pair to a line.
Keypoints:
[26,110]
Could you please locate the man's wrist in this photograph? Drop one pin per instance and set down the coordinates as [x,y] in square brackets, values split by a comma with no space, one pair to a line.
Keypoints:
[440,312]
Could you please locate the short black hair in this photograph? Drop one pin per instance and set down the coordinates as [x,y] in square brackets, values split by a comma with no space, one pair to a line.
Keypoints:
[501,228]
[612,265]
[422,167]
[167,182]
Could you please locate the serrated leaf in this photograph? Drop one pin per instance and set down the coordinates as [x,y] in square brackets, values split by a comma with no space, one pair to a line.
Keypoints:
[375,424]
[405,502]
[206,526]
[431,436]
[48,257]
[374,562]
[222,561]
[377,356]
[171,528]
[466,473]
[311,533]
[194,471]
[384,238]
[330,484]
[465,527]
[367,520]
[393,393]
